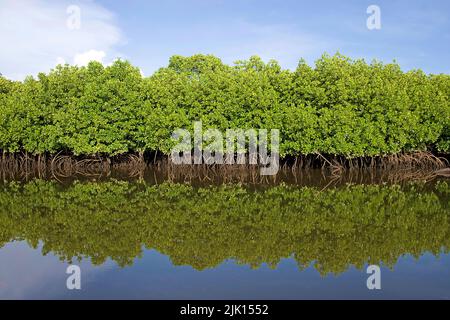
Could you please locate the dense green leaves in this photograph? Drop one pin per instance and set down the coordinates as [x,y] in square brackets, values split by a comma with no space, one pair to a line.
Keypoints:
[202,227]
[340,106]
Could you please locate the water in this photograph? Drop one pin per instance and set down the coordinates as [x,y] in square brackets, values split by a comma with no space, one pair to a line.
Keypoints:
[159,238]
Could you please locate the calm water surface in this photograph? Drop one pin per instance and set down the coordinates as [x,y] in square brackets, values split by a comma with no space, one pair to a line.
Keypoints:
[287,239]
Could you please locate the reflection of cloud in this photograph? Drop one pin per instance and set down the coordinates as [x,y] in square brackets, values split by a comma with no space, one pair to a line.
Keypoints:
[35,35]
[26,274]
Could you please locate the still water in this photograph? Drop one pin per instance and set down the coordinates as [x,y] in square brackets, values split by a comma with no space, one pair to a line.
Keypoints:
[159,238]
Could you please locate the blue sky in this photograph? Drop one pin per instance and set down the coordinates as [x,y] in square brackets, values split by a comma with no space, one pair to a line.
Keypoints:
[415,33]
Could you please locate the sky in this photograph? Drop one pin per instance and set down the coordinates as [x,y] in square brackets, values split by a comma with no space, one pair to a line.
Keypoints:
[36,35]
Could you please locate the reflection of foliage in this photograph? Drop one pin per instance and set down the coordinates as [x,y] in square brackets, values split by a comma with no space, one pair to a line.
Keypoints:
[202,227]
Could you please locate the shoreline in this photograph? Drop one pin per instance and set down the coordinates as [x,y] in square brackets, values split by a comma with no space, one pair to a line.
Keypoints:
[393,168]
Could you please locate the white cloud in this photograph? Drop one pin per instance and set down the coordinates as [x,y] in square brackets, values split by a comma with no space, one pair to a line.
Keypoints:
[82,59]
[37,35]
[60,60]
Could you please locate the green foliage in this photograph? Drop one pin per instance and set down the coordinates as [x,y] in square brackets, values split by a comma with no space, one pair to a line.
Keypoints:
[333,228]
[340,106]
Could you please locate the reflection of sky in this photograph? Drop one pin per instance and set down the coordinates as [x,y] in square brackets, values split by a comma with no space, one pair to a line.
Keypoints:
[25,273]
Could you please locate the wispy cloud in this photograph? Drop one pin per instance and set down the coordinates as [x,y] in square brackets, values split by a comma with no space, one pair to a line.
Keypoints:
[26,273]
[35,35]
[240,39]
[282,42]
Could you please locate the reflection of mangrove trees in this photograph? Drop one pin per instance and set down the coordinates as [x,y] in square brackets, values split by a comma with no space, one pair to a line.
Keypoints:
[202,227]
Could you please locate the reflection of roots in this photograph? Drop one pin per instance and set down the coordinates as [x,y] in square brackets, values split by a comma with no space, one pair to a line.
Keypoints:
[131,165]
[443,173]
[398,168]
[422,166]
[23,166]
[416,160]
[216,173]
[66,166]
[329,170]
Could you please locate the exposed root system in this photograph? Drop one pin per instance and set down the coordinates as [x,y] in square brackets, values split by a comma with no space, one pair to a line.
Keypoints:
[393,168]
